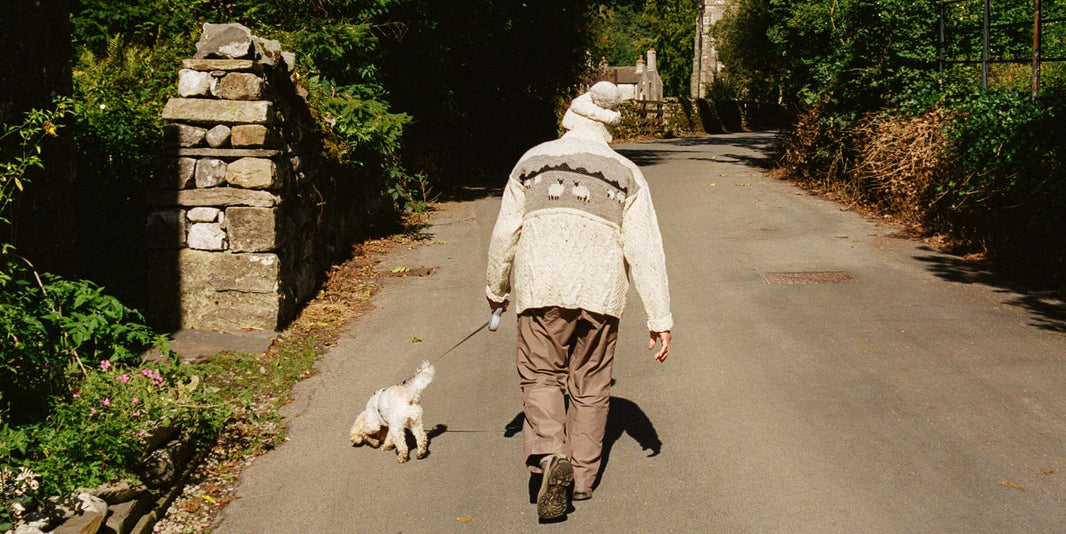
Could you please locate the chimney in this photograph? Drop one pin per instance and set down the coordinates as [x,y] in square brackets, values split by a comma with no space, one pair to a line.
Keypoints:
[651,59]
[640,64]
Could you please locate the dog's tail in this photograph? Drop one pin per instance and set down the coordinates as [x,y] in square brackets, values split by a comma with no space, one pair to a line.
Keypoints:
[417,383]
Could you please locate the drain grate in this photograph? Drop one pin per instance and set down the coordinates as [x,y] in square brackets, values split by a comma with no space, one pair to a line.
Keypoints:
[808,277]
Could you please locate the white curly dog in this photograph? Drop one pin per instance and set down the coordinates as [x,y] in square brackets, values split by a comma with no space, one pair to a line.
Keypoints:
[390,411]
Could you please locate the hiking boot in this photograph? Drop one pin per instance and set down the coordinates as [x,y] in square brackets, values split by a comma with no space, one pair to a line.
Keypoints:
[558,476]
[582,495]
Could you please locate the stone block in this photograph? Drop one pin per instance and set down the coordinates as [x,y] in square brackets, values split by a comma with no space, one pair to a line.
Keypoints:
[206,236]
[174,173]
[267,51]
[217,136]
[165,229]
[216,196]
[224,291]
[239,86]
[89,517]
[250,135]
[206,111]
[208,65]
[289,59]
[252,173]
[194,83]
[123,516]
[183,135]
[251,229]
[118,491]
[203,214]
[210,172]
[227,41]
[227,152]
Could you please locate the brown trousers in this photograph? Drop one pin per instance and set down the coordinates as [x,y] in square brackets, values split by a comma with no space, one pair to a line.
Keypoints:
[566,352]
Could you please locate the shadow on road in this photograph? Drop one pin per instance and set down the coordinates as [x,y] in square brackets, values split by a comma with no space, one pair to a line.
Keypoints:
[623,417]
[755,149]
[1045,303]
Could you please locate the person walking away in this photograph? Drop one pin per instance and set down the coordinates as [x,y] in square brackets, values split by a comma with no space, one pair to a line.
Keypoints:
[575,223]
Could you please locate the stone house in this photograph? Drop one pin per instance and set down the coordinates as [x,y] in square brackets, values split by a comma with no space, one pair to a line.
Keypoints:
[639,82]
[705,63]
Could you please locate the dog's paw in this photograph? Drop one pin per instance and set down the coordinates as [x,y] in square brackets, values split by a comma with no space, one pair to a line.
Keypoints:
[401,459]
[421,454]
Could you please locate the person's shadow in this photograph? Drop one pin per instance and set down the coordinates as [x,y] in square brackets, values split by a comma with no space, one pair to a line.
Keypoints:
[623,417]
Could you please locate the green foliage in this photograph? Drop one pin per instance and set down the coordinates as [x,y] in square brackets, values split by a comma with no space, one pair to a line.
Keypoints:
[1007,191]
[838,63]
[854,55]
[622,31]
[96,22]
[119,96]
[410,193]
[20,151]
[100,431]
[358,114]
[674,23]
[54,329]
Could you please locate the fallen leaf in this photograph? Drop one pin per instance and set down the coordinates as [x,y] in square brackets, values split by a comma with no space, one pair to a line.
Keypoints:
[1047,472]
[1012,485]
[209,499]
[416,339]
[400,269]
[466,520]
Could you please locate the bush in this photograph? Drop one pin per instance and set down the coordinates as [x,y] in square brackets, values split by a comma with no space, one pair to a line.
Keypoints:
[102,430]
[53,330]
[1007,191]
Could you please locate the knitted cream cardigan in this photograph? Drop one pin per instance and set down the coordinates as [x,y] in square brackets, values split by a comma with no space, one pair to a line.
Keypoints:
[575,220]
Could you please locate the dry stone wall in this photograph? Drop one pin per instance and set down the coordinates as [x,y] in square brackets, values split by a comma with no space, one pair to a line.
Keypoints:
[236,229]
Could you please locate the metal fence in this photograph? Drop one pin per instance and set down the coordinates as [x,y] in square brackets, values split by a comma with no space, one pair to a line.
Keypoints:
[1000,25]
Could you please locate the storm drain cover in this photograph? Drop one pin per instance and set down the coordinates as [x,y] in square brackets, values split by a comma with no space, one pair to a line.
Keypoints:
[808,277]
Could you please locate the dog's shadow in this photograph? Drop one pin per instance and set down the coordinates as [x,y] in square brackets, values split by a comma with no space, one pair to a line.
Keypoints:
[623,417]
[430,434]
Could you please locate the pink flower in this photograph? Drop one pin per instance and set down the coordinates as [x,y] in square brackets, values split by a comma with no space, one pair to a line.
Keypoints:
[141,433]
[105,365]
[92,412]
[136,400]
[106,402]
[124,378]
[76,394]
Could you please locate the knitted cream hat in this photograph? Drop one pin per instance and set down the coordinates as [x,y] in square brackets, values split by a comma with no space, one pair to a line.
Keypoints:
[594,110]
[606,95]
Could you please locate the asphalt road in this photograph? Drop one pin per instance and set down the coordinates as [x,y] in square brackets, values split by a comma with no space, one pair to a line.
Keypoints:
[901,392]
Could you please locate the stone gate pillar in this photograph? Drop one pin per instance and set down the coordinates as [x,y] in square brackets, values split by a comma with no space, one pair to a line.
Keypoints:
[219,254]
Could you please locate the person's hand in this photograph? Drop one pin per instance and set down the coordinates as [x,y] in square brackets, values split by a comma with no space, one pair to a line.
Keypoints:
[664,338]
[493,304]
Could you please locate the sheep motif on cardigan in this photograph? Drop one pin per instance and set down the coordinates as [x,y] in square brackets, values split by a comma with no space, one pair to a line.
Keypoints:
[578,250]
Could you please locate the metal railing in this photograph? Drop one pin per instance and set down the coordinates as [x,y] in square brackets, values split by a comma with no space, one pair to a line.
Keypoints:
[1038,23]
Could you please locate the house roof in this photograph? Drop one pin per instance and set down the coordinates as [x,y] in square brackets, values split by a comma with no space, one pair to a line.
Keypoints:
[622,75]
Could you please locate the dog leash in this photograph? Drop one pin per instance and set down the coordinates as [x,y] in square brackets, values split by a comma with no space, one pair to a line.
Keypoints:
[492,324]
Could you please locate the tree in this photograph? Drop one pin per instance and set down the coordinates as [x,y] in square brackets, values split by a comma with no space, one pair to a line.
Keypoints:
[674,26]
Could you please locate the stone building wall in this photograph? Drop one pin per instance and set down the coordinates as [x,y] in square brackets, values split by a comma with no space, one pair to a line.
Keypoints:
[237,232]
[705,64]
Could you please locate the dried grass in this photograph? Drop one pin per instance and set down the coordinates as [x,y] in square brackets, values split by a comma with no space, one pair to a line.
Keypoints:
[900,163]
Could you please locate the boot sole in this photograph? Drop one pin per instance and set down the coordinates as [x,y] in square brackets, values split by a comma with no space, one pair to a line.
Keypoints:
[552,503]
